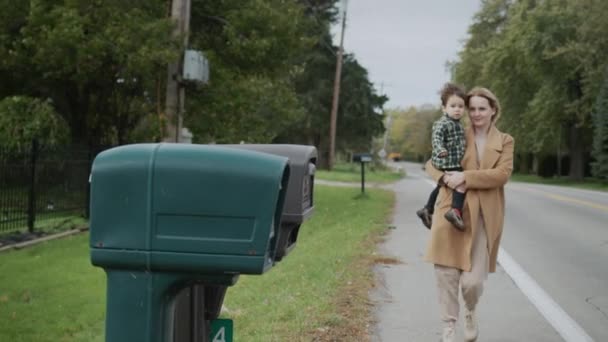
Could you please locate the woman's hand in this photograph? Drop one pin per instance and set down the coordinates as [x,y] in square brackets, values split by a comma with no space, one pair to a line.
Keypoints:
[454,179]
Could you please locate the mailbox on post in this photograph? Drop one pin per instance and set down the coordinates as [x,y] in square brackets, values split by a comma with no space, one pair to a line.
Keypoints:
[166,216]
[299,206]
[362,158]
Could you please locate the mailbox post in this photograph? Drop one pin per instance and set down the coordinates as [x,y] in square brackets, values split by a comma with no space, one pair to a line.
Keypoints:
[167,216]
[299,206]
[362,158]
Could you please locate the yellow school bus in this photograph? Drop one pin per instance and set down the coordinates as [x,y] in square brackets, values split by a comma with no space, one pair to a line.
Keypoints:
[394,156]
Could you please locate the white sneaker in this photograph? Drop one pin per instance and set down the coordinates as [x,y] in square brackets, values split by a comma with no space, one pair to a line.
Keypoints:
[449,332]
[471,330]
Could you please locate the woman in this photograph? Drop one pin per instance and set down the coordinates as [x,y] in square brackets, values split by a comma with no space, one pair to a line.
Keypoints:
[465,258]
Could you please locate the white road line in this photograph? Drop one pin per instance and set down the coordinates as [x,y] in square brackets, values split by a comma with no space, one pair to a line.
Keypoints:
[567,327]
[553,313]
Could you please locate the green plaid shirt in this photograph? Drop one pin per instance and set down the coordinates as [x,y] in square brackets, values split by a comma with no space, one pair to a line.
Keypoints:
[448,136]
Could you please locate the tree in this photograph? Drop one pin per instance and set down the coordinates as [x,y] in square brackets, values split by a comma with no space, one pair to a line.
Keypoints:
[359,116]
[600,135]
[487,26]
[97,60]
[272,75]
[541,58]
[558,102]
[23,119]
[410,132]
[103,65]
[360,113]
[255,51]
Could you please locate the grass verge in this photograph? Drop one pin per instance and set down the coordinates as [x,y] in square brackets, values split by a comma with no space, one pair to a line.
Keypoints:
[60,224]
[43,227]
[51,292]
[587,183]
[351,172]
[51,223]
[319,292]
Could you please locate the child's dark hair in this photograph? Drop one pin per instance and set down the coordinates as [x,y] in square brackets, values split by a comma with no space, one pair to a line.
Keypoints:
[450,89]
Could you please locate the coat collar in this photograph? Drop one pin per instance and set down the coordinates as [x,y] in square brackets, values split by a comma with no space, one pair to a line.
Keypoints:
[447,117]
[494,139]
[492,149]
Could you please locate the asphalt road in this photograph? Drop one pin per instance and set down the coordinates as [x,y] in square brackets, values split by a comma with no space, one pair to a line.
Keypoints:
[557,236]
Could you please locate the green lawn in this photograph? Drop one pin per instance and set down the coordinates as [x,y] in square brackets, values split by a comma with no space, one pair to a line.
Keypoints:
[588,183]
[60,223]
[351,172]
[51,292]
[49,224]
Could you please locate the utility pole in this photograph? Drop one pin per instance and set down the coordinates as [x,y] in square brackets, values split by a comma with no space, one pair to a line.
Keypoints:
[336,96]
[388,125]
[176,94]
[389,121]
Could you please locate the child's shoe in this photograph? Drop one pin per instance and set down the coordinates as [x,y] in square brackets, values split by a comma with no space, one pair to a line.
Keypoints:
[454,217]
[425,216]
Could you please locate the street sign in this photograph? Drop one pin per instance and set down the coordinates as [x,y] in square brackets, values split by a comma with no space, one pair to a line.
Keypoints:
[221,330]
[382,153]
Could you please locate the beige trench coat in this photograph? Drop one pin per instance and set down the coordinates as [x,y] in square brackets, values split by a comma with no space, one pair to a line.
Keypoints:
[485,194]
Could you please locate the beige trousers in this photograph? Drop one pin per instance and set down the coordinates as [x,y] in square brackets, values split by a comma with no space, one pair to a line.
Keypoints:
[471,283]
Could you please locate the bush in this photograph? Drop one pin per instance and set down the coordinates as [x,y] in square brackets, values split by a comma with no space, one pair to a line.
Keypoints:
[23,119]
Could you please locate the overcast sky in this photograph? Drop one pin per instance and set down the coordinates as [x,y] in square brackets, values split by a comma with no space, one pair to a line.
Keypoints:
[405,44]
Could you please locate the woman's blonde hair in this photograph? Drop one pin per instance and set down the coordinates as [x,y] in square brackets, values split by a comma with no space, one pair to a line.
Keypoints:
[488,95]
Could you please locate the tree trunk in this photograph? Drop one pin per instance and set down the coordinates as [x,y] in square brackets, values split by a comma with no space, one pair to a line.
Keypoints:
[323,161]
[524,163]
[559,152]
[78,101]
[322,153]
[535,164]
[577,166]
[310,136]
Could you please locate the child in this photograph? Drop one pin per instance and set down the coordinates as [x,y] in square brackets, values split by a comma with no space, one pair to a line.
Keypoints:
[448,149]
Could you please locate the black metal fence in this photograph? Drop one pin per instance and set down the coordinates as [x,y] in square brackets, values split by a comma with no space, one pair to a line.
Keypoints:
[43,183]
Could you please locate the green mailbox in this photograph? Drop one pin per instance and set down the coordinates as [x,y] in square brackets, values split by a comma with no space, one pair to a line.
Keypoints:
[166,216]
[197,305]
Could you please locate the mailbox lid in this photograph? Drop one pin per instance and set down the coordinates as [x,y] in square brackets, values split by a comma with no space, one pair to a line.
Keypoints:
[187,199]
[219,201]
[297,154]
